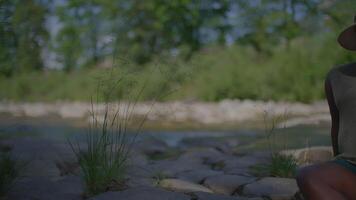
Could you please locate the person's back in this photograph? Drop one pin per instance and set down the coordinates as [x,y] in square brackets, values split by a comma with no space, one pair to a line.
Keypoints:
[336,179]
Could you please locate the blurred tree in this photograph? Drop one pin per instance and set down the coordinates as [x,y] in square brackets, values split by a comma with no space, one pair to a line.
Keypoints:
[22,35]
[7,38]
[268,22]
[148,28]
[78,38]
[338,14]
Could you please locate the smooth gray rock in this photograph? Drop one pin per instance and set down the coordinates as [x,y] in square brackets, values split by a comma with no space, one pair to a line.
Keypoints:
[150,146]
[227,184]
[200,155]
[41,188]
[272,187]
[217,143]
[209,196]
[136,158]
[239,171]
[142,193]
[171,167]
[137,182]
[42,157]
[182,186]
[197,175]
[243,162]
[41,168]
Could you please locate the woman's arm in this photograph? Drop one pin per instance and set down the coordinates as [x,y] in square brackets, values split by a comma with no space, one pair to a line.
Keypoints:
[334,112]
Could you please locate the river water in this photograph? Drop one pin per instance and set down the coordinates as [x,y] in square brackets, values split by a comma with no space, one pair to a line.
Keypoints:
[251,138]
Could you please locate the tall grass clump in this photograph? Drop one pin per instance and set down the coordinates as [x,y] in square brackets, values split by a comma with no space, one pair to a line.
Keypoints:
[104,153]
[281,165]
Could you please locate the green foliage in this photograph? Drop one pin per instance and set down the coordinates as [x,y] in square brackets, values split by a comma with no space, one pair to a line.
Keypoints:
[104,159]
[78,38]
[281,166]
[107,146]
[9,171]
[22,35]
[212,74]
[158,176]
[150,28]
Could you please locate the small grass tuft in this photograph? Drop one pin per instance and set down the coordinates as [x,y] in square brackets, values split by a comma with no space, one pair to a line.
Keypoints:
[280,166]
[158,176]
[10,169]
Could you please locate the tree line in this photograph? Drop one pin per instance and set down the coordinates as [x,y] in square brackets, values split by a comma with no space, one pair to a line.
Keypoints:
[90,31]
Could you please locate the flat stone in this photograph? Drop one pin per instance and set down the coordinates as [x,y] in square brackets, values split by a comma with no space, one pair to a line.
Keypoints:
[227,184]
[182,186]
[171,167]
[41,188]
[238,171]
[243,162]
[219,144]
[209,196]
[142,193]
[41,168]
[272,187]
[136,182]
[150,146]
[198,175]
[201,154]
[137,158]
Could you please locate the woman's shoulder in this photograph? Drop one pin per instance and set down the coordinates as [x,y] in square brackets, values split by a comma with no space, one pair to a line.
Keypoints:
[346,69]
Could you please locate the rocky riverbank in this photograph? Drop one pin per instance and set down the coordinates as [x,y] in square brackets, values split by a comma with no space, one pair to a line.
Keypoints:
[223,112]
[208,171]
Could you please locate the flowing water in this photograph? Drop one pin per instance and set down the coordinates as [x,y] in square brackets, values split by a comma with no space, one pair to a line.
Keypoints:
[251,138]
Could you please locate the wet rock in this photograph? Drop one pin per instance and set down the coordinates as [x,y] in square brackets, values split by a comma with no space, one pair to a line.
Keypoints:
[224,146]
[227,184]
[142,193]
[272,187]
[172,167]
[137,158]
[40,156]
[151,146]
[209,196]
[41,168]
[198,175]
[239,171]
[182,186]
[243,162]
[201,154]
[137,182]
[41,188]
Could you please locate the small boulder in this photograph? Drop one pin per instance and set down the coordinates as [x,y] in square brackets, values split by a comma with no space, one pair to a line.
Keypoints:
[227,184]
[151,146]
[272,187]
[142,193]
[41,188]
[224,146]
[209,196]
[182,186]
[197,175]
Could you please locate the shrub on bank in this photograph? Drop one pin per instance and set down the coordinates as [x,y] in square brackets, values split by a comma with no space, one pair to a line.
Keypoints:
[293,74]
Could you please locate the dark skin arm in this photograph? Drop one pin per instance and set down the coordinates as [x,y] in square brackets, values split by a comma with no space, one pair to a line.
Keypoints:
[334,112]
